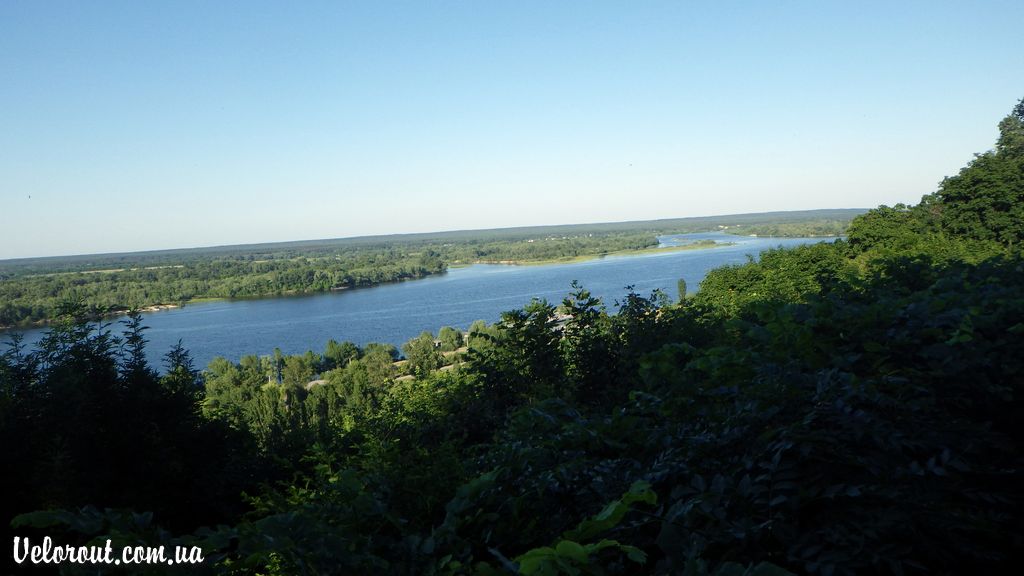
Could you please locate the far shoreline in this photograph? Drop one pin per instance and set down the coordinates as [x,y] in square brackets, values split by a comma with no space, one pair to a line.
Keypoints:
[694,246]
[109,314]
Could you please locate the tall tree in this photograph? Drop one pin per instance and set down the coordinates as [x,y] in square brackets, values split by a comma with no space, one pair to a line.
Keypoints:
[985,201]
[133,348]
[422,354]
[338,355]
[451,339]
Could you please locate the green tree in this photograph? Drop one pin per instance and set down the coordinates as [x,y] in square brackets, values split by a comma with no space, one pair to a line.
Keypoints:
[277,365]
[133,349]
[182,375]
[382,350]
[451,339]
[378,363]
[339,355]
[523,362]
[422,354]
[985,201]
[894,229]
[298,370]
[482,336]
[588,355]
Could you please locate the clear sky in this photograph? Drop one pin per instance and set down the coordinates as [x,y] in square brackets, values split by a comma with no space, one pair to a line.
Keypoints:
[142,125]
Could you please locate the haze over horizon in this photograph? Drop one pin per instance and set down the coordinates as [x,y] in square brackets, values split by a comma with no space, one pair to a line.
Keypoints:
[402,234]
[131,128]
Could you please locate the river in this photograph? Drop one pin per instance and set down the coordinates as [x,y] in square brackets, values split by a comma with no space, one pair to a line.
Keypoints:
[394,313]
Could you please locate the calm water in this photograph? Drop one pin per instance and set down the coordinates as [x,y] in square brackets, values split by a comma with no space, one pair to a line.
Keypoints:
[394,313]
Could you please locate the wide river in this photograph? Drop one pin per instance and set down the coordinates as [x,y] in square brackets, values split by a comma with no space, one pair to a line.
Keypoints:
[394,313]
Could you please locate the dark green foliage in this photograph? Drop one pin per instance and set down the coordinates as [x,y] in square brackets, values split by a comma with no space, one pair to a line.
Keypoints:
[178,359]
[523,363]
[586,346]
[886,229]
[985,200]
[133,350]
[853,409]
[984,203]
[780,276]
[84,423]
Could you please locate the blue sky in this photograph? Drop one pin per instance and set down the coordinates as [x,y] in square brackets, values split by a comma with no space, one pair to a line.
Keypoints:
[133,125]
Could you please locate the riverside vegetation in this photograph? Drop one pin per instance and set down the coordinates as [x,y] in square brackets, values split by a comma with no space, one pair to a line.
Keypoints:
[842,408]
[32,290]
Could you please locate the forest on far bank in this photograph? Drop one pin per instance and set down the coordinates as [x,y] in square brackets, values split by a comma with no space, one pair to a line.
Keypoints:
[833,409]
[32,290]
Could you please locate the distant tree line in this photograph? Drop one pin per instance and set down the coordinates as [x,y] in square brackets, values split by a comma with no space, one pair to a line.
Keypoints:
[808,229]
[38,297]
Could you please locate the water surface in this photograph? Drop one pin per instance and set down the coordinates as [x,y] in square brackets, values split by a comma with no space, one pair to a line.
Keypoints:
[394,313]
